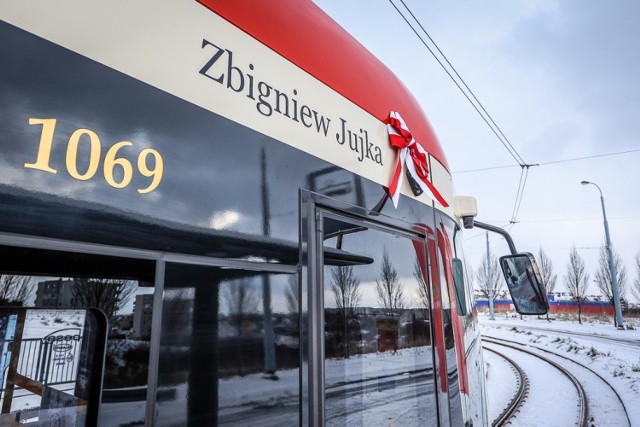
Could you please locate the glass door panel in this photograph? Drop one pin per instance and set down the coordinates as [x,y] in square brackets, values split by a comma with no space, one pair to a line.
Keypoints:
[378,366]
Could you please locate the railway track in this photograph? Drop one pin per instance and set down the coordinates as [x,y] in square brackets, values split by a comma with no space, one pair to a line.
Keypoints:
[523,387]
[510,413]
[624,341]
[601,396]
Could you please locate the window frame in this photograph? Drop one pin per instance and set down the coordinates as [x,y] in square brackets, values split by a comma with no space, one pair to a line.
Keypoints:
[314,208]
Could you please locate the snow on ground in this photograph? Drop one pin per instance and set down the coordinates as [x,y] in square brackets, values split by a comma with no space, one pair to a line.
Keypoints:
[613,353]
[558,397]
[255,396]
[498,371]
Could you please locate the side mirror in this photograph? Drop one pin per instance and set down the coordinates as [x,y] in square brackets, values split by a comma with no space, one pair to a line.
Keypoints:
[524,283]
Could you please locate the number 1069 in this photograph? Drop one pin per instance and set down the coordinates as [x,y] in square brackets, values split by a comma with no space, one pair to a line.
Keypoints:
[112,159]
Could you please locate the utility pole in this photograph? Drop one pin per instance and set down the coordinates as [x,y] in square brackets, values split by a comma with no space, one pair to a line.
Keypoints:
[489,280]
[269,335]
[612,266]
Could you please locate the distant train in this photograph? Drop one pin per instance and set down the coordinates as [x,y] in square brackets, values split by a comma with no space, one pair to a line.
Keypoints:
[226,213]
[561,306]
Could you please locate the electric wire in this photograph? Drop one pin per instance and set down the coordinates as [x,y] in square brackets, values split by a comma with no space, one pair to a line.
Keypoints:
[524,174]
[573,159]
[589,157]
[506,144]
[504,138]
[477,105]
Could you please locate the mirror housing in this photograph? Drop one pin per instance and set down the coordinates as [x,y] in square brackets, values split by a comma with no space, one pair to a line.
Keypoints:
[525,283]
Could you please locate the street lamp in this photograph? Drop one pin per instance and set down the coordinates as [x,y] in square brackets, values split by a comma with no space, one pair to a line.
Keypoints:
[612,267]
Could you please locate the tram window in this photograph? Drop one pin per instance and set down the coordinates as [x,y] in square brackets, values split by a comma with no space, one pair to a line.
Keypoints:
[120,287]
[378,362]
[458,280]
[455,402]
[229,350]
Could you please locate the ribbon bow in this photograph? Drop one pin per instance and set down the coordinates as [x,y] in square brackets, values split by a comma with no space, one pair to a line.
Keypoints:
[414,157]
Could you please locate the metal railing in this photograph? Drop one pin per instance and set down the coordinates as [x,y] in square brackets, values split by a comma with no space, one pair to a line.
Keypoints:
[51,360]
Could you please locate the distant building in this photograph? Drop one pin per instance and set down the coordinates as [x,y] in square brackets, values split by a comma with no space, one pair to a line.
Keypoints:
[123,322]
[142,313]
[55,293]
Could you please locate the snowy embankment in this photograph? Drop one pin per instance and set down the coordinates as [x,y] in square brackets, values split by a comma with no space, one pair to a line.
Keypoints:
[613,353]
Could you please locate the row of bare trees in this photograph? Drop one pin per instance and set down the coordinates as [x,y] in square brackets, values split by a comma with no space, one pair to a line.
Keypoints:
[576,279]
[107,294]
[389,290]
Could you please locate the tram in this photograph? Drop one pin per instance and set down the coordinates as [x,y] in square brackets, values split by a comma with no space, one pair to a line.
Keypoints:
[226,213]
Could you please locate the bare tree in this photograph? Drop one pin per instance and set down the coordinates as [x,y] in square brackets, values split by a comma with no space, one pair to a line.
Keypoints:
[344,285]
[15,290]
[109,295]
[177,308]
[636,282]
[389,288]
[292,296]
[577,280]
[549,279]
[603,275]
[241,298]
[482,276]
[423,288]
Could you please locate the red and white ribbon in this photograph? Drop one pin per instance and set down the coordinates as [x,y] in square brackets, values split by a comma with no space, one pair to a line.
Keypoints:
[413,156]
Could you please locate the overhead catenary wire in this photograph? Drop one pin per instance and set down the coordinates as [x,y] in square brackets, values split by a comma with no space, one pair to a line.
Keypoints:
[503,138]
[553,162]
[473,100]
[524,174]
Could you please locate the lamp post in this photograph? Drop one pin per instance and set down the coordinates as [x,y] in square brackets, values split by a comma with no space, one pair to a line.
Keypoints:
[490,281]
[612,267]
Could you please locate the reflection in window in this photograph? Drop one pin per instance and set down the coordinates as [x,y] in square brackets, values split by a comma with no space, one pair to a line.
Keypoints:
[121,288]
[128,308]
[378,356]
[48,358]
[455,402]
[229,350]
[15,290]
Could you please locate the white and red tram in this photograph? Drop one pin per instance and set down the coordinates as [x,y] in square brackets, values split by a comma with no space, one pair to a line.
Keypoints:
[225,213]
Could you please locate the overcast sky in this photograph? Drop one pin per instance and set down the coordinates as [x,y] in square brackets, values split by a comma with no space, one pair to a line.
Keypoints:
[560,78]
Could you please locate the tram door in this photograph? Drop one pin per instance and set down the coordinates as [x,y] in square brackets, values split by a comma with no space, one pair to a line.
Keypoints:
[378,362]
[449,332]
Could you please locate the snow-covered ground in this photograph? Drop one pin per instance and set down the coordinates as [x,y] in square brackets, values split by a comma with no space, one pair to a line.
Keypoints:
[596,343]
[373,389]
[613,353]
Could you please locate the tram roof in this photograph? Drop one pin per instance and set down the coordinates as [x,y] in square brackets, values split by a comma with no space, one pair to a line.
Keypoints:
[301,32]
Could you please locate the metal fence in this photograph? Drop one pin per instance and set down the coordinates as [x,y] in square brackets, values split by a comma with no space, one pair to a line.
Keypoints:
[53,359]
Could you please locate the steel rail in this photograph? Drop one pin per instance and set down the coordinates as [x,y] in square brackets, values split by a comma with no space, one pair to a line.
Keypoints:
[624,407]
[584,404]
[519,397]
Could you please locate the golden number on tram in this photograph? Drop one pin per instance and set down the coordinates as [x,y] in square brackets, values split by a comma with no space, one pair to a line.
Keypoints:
[113,160]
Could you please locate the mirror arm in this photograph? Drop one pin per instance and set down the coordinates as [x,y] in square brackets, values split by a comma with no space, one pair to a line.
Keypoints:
[500,231]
